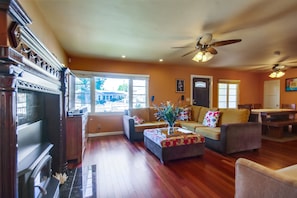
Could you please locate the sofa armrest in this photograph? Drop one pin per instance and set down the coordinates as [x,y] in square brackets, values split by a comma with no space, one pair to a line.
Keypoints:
[128,127]
[241,136]
[255,180]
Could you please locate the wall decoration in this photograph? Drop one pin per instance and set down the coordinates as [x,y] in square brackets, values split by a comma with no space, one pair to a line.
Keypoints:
[180,85]
[291,84]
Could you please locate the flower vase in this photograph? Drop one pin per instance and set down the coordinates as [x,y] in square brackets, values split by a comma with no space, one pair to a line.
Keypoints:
[170,129]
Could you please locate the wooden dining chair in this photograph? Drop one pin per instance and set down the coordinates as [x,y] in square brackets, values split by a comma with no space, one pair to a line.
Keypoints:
[288,106]
[257,106]
[292,116]
[245,106]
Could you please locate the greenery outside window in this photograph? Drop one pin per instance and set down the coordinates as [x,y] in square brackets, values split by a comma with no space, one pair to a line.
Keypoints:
[228,93]
[107,92]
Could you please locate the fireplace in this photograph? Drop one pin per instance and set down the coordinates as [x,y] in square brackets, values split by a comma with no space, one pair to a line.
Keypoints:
[35,162]
[39,182]
[33,103]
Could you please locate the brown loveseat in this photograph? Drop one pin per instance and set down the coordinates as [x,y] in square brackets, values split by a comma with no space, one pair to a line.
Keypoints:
[255,180]
[233,132]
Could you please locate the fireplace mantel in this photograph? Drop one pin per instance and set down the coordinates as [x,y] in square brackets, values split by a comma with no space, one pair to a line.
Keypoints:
[26,64]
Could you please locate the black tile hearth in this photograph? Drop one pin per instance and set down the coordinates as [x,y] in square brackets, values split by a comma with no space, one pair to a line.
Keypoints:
[81,183]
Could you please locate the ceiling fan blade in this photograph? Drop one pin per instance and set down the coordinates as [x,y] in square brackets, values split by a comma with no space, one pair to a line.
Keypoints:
[189,52]
[291,62]
[212,50]
[291,67]
[183,47]
[226,42]
[283,59]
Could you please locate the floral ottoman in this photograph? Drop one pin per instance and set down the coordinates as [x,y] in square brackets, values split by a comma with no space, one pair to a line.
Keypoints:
[182,144]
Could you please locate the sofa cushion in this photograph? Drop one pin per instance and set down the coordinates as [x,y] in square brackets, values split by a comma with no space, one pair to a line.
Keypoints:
[203,111]
[290,171]
[229,116]
[209,132]
[152,112]
[190,125]
[211,118]
[142,113]
[138,120]
[149,125]
[185,114]
[195,113]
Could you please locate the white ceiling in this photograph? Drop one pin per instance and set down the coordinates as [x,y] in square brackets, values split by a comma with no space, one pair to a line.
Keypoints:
[146,30]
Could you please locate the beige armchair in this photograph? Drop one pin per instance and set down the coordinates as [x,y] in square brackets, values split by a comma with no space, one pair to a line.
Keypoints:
[255,180]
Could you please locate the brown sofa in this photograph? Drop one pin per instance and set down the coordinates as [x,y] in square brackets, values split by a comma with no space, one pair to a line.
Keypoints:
[233,132]
[133,131]
[255,180]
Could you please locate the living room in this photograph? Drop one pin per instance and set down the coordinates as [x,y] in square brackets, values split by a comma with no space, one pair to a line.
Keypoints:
[162,80]
[251,81]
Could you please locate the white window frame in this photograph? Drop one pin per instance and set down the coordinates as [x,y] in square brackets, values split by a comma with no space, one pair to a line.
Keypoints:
[92,75]
[228,82]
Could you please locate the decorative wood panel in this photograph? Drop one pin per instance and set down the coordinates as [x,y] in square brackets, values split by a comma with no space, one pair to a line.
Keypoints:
[25,63]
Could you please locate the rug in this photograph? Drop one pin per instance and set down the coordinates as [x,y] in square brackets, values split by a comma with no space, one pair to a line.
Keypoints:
[288,136]
[81,183]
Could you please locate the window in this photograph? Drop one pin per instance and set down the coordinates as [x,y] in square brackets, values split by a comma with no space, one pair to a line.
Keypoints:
[82,92]
[102,92]
[228,93]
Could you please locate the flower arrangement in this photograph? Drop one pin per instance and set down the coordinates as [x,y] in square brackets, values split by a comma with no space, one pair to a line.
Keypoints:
[168,112]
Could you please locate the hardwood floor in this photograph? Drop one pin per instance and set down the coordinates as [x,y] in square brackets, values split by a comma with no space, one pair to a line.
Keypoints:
[129,170]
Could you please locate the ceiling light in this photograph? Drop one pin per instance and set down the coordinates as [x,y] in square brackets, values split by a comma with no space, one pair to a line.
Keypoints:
[160,60]
[276,74]
[202,56]
[123,56]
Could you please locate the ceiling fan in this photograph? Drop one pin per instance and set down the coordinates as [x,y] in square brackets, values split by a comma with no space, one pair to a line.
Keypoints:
[205,46]
[278,69]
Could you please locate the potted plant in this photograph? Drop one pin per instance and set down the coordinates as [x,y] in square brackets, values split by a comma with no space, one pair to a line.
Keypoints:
[169,113]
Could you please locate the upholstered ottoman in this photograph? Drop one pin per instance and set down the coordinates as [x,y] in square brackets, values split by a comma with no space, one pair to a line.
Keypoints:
[182,144]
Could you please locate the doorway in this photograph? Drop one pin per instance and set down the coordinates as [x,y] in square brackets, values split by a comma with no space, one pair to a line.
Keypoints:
[201,94]
[271,94]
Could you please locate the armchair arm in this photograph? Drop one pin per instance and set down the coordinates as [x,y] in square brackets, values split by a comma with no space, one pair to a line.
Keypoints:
[241,136]
[255,180]
[128,127]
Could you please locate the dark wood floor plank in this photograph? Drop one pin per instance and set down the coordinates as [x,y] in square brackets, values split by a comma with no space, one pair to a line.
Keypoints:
[130,170]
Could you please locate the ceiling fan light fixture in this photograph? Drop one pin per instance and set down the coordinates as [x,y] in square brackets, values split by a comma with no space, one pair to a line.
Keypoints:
[277,74]
[202,56]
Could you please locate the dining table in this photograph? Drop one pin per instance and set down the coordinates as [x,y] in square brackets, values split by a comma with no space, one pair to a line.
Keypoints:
[275,121]
[272,113]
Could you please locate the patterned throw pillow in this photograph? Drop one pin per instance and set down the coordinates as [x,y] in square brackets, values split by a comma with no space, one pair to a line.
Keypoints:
[185,114]
[211,118]
[138,120]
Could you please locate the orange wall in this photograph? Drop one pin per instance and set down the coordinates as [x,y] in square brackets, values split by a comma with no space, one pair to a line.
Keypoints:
[162,84]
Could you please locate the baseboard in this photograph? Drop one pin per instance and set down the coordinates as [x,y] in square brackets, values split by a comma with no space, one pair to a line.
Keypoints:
[105,134]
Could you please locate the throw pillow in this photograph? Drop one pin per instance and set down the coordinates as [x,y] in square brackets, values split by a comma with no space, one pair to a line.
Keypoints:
[185,114]
[211,118]
[138,120]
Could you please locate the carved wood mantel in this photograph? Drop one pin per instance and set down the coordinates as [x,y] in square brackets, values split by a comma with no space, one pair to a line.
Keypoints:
[25,63]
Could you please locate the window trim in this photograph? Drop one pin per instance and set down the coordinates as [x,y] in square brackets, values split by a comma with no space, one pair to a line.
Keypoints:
[230,82]
[92,75]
